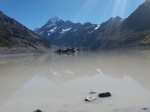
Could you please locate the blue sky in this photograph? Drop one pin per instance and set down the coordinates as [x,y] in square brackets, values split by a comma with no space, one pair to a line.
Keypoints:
[34,13]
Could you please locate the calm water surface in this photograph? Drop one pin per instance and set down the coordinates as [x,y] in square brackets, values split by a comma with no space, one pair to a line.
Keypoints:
[60,83]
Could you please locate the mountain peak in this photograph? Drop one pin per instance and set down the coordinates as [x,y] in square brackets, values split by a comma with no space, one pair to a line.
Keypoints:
[116,19]
[36,29]
[54,19]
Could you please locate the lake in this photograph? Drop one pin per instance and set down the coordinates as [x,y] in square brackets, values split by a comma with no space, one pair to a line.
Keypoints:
[60,83]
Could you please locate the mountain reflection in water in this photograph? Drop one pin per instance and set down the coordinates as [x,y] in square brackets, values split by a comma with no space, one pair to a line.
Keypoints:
[17,72]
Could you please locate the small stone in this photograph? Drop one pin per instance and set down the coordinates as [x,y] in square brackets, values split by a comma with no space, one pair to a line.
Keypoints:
[107,94]
[90,98]
[37,110]
[92,92]
[145,108]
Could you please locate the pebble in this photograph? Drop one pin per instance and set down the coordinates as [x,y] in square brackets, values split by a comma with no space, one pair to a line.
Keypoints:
[37,110]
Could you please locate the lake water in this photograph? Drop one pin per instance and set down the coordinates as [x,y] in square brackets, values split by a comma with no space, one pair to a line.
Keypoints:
[60,83]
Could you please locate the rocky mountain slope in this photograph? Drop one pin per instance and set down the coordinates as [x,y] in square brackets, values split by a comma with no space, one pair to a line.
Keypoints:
[16,38]
[139,23]
[134,31]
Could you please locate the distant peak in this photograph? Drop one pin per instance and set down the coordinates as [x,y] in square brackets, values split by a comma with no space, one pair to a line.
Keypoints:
[116,19]
[36,29]
[55,19]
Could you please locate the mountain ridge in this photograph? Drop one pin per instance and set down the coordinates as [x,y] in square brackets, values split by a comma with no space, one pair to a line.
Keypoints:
[71,34]
[133,31]
[13,35]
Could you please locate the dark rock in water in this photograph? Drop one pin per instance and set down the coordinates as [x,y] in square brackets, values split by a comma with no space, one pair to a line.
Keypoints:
[92,92]
[145,108]
[66,51]
[37,110]
[59,50]
[107,94]
[86,100]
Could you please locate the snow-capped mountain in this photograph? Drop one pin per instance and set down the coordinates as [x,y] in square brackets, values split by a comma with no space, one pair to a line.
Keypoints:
[60,32]
[134,31]
[66,33]
[57,25]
